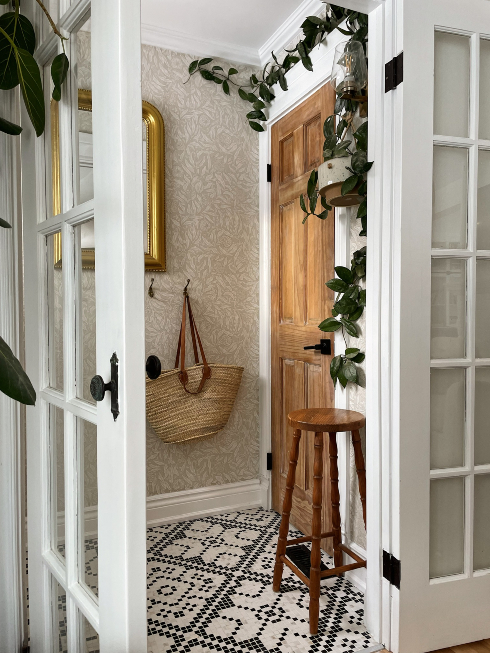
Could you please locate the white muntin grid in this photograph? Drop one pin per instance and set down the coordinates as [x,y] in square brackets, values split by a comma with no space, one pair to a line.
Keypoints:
[470,255]
[67,571]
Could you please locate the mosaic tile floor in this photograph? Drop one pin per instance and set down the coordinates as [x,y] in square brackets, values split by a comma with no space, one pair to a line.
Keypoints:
[209,589]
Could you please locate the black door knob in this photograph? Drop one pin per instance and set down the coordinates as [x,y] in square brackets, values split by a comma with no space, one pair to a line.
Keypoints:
[153,367]
[98,387]
[324,347]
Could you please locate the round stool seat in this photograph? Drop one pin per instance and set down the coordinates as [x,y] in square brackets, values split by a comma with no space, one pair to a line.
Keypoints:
[326,420]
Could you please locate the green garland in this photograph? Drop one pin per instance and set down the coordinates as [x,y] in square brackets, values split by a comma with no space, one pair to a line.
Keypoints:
[351,297]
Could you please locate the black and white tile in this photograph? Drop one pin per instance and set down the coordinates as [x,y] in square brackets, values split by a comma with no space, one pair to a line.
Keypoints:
[210,589]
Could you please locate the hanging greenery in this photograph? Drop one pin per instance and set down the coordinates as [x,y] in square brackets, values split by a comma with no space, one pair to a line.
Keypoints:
[19,68]
[258,91]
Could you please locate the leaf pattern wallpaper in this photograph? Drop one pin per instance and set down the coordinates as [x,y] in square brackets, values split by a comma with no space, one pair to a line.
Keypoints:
[212,229]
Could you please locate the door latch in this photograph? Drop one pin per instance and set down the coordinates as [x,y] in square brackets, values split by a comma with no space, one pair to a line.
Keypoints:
[98,388]
[324,347]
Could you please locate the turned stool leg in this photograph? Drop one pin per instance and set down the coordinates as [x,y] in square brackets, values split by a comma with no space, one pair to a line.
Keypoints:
[361,470]
[286,511]
[335,498]
[316,531]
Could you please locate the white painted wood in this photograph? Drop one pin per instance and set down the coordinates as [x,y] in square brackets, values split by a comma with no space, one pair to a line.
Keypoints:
[12,533]
[203,502]
[119,273]
[119,614]
[426,615]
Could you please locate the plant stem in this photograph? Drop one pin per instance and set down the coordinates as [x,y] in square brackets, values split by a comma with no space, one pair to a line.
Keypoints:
[51,22]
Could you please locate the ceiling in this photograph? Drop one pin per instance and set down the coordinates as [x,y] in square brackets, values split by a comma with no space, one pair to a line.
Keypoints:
[238,31]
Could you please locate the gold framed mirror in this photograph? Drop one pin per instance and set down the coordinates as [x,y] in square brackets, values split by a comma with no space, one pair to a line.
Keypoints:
[153,132]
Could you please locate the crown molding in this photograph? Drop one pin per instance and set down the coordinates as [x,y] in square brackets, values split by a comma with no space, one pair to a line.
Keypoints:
[181,42]
[289,29]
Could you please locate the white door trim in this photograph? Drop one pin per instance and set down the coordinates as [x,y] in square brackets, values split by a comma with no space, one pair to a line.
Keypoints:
[302,84]
[12,496]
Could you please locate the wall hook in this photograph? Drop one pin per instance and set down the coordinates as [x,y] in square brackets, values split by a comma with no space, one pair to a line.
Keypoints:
[186,286]
[151,292]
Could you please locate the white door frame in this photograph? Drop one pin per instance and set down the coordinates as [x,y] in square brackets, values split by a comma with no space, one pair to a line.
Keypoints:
[302,84]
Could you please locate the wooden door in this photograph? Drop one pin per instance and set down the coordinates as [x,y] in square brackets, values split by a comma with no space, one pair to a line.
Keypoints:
[302,261]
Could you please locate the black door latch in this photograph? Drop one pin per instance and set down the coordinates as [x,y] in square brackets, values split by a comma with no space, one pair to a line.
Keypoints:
[98,388]
[324,347]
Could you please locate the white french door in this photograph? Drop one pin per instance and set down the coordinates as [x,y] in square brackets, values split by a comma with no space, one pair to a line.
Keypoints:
[84,316]
[441,324]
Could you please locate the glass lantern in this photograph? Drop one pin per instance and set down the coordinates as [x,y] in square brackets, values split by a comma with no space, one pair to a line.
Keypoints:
[349,70]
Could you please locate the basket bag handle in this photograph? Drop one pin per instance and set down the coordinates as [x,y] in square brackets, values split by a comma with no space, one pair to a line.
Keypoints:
[206,370]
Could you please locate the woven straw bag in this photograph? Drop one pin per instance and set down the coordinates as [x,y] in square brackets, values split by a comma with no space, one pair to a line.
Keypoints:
[193,403]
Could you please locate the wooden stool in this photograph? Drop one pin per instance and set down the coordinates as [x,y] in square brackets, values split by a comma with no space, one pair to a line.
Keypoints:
[320,421]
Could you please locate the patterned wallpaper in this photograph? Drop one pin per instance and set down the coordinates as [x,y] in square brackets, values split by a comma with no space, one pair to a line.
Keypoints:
[213,239]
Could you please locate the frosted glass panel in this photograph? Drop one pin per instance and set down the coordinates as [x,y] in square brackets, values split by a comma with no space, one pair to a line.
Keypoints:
[481,541]
[482,415]
[446,555]
[448,308]
[447,418]
[450,197]
[451,84]
[482,310]
[485,89]
[483,228]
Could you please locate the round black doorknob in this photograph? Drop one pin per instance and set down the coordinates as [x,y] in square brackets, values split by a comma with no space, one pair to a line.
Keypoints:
[153,367]
[98,387]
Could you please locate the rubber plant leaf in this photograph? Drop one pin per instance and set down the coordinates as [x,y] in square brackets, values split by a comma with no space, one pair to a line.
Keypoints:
[14,382]
[32,89]
[8,127]
[25,38]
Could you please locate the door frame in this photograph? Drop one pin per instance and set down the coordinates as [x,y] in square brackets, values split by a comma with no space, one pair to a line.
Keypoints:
[381,484]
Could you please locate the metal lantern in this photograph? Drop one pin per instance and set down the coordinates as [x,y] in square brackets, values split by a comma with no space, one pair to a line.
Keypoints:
[349,70]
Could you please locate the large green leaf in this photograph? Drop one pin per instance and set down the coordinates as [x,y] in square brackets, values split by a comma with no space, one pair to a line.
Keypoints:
[8,127]
[329,325]
[349,184]
[59,70]
[24,38]
[5,224]
[337,285]
[32,89]
[14,382]
[344,273]
[361,136]
[256,126]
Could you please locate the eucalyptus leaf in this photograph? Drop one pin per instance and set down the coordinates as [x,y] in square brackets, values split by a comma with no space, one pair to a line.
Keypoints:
[243,94]
[256,115]
[323,215]
[8,127]
[350,371]
[232,71]
[258,104]
[226,87]
[337,285]
[313,201]
[5,224]
[302,203]
[362,210]
[14,382]
[205,61]
[359,358]
[329,325]
[207,74]
[341,376]
[335,365]
[349,184]
[193,66]
[350,327]
[345,306]
[351,352]
[282,81]
[344,273]
[256,126]
[353,317]
[312,182]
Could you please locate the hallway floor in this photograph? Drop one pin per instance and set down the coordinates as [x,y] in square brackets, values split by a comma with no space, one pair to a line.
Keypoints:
[209,589]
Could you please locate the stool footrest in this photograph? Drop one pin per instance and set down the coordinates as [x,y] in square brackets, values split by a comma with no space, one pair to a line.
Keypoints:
[351,553]
[336,571]
[308,538]
[295,570]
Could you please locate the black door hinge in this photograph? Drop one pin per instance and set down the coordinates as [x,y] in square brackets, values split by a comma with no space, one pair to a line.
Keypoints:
[391,569]
[394,73]
[269,172]
[269,462]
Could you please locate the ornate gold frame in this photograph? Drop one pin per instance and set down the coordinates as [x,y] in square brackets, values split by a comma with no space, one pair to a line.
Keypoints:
[155,258]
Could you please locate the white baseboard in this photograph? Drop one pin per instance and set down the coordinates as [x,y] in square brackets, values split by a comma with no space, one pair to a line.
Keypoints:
[357,576]
[202,502]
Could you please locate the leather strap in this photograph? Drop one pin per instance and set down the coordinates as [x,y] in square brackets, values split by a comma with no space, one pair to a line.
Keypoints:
[206,370]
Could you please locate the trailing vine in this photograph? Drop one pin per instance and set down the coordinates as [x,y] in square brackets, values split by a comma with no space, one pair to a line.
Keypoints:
[258,91]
